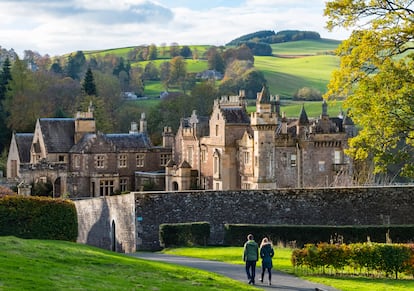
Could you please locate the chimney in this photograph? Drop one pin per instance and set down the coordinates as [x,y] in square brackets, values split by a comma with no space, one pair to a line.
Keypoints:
[167,137]
[143,123]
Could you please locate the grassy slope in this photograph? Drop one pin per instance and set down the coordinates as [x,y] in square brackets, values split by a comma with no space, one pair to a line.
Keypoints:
[285,75]
[58,265]
[281,262]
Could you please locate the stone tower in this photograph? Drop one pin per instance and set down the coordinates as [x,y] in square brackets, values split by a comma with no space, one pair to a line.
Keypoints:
[264,123]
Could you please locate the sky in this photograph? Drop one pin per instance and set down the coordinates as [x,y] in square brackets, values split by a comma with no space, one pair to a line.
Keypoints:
[56,27]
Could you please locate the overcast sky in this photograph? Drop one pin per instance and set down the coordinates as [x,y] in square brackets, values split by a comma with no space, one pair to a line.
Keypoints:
[57,27]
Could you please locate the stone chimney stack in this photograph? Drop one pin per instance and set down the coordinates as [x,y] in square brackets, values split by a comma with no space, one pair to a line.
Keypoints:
[167,137]
[143,123]
[134,128]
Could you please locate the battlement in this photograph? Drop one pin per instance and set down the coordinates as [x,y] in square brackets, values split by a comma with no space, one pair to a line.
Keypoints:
[231,101]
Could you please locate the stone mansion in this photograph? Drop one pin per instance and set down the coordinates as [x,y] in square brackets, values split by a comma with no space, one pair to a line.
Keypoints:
[228,150]
[80,162]
[266,150]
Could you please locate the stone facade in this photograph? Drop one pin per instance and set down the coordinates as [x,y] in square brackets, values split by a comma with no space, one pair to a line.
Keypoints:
[77,161]
[136,217]
[266,150]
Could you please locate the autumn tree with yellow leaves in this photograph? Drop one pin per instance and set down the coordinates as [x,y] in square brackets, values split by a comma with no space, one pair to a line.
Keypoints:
[376,76]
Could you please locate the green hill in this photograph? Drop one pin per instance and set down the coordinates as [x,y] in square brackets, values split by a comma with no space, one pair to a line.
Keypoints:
[294,65]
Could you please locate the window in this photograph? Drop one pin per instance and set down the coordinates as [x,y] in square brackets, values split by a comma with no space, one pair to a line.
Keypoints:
[100,161]
[216,165]
[203,155]
[293,160]
[164,158]
[13,168]
[77,161]
[190,155]
[123,184]
[217,130]
[246,157]
[321,166]
[122,161]
[140,160]
[61,158]
[106,187]
[338,157]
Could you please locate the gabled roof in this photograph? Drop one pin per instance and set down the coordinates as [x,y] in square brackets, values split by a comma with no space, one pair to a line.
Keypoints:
[235,115]
[58,134]
[23,142]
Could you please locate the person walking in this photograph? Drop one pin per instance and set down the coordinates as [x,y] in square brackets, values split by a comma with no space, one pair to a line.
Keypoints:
[266,253]
[251,256]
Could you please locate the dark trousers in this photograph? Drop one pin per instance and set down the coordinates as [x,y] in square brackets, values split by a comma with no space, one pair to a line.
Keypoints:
[269,270]
[251,270]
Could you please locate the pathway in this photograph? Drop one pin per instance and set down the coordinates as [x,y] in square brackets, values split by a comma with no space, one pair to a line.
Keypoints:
[280,281]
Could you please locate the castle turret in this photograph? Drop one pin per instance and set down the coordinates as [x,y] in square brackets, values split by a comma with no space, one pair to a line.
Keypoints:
[302,123]
[263,123]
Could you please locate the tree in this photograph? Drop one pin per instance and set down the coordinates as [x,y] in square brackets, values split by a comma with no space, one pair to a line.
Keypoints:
[152,52]
[178,70]
[185,51]
[376,76]
[88,86]
[215,60]
[5,78]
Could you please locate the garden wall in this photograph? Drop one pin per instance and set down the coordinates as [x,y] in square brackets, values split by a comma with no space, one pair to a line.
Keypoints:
[137,216]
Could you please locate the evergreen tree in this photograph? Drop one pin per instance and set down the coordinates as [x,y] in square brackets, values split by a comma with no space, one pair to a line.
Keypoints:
[5,78]
[88,86]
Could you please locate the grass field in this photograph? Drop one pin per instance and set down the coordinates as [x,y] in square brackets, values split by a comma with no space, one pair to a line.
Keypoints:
[59,265]
[281,262]
[296,64]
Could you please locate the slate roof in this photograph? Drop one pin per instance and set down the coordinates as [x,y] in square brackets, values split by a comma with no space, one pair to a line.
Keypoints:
[122,141]
[23,142]
[303,118]
[58,134]
[126,141]
[235,115]
[83,142]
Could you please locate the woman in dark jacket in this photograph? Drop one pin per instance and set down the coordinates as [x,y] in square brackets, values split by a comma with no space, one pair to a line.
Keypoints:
[266,253]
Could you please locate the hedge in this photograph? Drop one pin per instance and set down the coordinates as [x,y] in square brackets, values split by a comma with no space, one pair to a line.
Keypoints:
[184,234]
[360,258]
[299,235]
[38,218]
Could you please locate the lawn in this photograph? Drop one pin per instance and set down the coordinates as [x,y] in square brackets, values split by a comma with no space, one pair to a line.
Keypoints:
[281,262]
[58,265]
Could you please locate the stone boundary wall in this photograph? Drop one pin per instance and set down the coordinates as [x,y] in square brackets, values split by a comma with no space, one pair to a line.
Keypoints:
[107,222]
[126,223]
[325,206]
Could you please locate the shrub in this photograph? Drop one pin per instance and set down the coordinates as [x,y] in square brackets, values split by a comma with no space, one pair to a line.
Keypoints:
[184,234]
[38,218]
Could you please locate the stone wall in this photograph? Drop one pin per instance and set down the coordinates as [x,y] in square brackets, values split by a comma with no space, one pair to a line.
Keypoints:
[137,216]
[325,206]
[107,222]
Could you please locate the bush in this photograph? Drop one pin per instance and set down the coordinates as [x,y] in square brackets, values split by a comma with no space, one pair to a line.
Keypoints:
[38,218]
[235,234]
[363,258]
[184,234]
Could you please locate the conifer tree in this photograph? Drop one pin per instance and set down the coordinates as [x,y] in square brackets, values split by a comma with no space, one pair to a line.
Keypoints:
[88,86]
